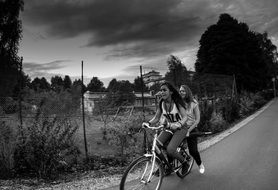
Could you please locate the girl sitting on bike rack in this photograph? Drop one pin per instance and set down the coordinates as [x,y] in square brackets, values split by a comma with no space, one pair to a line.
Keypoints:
[172,111]
[193,114]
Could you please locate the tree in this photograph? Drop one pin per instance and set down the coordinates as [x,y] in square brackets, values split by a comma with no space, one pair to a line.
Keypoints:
[112,86]
[229,47]
[120,93]
[67,82]
[10,35]
[77,86]
[95,85]
[177,73]
[57,83]
[40,84]
[139,85]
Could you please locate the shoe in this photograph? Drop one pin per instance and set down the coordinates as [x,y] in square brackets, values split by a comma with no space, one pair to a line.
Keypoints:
[201,168]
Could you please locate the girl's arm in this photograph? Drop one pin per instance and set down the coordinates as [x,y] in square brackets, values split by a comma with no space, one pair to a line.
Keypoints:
[196,113]
[156,117]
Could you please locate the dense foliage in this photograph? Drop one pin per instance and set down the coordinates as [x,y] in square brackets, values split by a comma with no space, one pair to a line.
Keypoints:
[10,35]
[229,47]
[177,73]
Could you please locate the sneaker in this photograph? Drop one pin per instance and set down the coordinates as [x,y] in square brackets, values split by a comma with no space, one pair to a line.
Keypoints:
[202,168]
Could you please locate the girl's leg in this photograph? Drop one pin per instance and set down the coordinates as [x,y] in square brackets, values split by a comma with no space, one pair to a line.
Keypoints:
[176,140]
[192,143]
[164,137]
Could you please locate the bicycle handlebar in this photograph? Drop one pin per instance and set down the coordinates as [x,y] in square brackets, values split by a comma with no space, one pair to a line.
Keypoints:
[193,134]
[147,125]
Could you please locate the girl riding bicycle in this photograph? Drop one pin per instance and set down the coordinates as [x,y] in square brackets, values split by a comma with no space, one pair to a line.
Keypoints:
[172,111]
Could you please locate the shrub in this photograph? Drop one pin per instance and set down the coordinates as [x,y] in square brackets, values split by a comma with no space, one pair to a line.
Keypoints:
[124,135]
[6,150]
[230,110]
[42,148]
[206,111]
[217,122]
[246,105]
[259,100]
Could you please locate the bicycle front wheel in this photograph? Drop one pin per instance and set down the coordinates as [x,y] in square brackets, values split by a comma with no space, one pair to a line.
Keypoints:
[139,175]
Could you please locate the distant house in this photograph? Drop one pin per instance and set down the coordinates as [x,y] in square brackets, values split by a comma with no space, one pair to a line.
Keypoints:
[152,77]
[149,99]
[91,98]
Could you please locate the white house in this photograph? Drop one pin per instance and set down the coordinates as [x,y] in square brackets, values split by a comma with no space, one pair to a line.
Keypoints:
[152,77]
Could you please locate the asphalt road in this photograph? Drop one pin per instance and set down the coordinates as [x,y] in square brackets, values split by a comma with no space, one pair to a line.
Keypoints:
[246,159]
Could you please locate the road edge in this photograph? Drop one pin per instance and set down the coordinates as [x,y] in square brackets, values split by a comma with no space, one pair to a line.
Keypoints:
[210,142]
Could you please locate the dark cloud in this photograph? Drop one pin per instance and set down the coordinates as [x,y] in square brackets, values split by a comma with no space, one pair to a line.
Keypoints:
[137,28]
[36,69]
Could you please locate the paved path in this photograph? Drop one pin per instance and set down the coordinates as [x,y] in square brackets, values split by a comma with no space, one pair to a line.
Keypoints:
[246,159]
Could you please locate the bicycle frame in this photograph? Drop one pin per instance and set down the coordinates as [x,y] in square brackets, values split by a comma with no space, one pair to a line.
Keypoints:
[154,156]
[152,153]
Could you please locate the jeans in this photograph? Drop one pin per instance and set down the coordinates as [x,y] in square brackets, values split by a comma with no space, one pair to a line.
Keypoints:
[175,140]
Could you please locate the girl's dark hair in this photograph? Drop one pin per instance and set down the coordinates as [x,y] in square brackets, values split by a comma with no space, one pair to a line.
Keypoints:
[189,96]
[176,97]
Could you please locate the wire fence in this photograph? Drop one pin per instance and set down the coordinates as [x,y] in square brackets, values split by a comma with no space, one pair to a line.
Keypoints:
[93,111]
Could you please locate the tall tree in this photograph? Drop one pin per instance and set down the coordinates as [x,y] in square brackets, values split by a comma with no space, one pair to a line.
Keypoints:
[95,85]
[77,85]
[57,83]
[40,84]
[139,85]
[112,86]
[120,93]
[229,47]
[10,35]
[67,82]
[177,73]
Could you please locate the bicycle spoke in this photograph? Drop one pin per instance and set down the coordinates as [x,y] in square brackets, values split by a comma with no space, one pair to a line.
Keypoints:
[138,174]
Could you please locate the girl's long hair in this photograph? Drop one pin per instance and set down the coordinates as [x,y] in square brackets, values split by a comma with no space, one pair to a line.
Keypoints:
[189,96]
[176,97]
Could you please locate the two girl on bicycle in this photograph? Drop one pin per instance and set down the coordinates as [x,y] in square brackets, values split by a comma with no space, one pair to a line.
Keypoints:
[181,114]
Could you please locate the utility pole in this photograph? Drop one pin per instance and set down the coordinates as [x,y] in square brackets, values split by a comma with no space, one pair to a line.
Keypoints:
[142,91]
[83,113]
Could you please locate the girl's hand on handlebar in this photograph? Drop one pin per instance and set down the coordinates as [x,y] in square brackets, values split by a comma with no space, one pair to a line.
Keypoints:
[175,125]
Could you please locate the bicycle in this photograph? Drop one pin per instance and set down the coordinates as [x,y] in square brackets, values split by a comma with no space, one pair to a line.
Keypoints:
[147,171]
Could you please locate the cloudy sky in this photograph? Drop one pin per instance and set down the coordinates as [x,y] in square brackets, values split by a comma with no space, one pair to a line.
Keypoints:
[115,37]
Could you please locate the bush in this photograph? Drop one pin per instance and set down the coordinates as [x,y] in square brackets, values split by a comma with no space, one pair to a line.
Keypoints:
[217,122]
[246,105]
[230,110]
[42,148]
[9,105]
[124,135]
[6,150]
[206,111]
[259,100]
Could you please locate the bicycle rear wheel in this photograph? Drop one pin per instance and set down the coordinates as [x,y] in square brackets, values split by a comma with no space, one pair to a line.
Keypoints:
[137,174]
[184,170]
